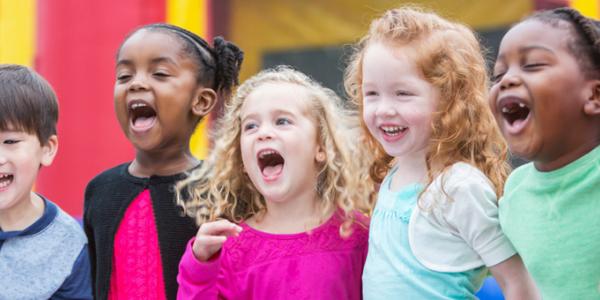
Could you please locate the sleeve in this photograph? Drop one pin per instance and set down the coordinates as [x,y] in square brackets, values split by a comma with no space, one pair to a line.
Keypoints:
[196,279]
[78,285]
[473,214]
[89,232]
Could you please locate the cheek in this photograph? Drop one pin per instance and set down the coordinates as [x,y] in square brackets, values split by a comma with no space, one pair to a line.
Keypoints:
[246,150]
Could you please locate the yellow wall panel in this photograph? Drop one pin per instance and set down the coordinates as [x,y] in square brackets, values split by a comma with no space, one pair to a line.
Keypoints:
[268,25]
[193,16]
[589,8]
[17,31]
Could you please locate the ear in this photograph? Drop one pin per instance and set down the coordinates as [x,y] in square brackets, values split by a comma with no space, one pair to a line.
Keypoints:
[49,150]
[204,101]
[591,106]
[320,157]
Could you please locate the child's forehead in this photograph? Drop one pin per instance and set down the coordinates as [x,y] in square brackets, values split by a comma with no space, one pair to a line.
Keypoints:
[160,41]
[536,33]
[277,96]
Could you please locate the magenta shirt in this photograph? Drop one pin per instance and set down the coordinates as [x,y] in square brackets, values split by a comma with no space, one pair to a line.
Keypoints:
[137,268]
[259,265]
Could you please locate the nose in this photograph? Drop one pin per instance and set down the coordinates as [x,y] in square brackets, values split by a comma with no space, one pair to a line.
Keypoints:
[265,132]
[509,80]
[386,108]
[138,82]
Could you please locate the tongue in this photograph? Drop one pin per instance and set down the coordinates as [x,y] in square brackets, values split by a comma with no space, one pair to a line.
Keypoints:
[143,122]
[272,170]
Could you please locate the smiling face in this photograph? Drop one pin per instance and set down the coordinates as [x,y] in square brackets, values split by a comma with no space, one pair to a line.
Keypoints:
[21,156]
[397,101]
[538,93]
[155,91]
[279,142]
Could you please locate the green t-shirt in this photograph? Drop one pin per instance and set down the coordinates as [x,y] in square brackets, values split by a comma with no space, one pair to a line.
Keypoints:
[553,220]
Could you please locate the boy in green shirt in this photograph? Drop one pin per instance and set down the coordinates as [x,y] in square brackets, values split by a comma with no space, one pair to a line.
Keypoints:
[546,99]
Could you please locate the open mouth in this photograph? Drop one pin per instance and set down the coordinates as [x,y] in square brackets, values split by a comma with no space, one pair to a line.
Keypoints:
[270,163]
[514,111]
[5,180]
[142,115]
[393,130]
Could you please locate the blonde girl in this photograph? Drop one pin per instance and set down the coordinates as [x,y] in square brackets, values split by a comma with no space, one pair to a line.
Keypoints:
[278,200]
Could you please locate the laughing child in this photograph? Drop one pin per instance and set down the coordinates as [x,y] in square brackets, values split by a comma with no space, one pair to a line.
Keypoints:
[546,99]
[43,251]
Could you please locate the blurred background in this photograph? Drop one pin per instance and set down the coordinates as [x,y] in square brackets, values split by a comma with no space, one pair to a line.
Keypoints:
[73,43]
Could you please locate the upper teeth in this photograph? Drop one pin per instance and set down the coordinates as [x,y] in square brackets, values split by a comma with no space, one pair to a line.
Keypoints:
[136,105]
[505,109]
[265,153]
[393,129]
[2,176]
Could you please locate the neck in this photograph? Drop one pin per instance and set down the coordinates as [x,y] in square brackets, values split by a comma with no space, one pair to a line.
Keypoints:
[289,216]
[411,169]
[23,214]
[162,163]
[566,158]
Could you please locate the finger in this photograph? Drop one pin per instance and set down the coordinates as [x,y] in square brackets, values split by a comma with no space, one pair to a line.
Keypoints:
[221,227]
[209,240]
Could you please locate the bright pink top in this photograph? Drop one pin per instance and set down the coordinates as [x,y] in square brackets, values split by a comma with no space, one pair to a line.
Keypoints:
[137,268]
[259,265]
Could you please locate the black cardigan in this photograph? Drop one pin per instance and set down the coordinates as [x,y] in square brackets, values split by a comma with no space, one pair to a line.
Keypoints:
[107,197]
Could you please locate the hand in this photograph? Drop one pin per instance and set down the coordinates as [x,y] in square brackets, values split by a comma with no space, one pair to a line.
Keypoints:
[211,236]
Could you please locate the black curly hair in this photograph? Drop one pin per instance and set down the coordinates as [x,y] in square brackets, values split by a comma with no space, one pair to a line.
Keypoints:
[218,66]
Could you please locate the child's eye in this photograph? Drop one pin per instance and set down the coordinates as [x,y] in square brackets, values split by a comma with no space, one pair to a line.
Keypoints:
[533,66]
[370,93]
[496,77]
[10,142]
[283,121]
[403,93]
[123,77]
[161,74]
[249,126]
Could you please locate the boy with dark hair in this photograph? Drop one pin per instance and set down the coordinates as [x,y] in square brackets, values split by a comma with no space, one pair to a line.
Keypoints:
[43,251]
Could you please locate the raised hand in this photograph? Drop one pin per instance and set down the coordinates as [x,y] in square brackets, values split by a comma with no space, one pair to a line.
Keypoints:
[211,236]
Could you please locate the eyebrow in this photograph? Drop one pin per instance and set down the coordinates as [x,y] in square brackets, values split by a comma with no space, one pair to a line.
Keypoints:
[535,47]
[529,49]
[154,61]
[275,112]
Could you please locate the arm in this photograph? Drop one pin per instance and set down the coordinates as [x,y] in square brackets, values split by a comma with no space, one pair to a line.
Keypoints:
[79,283]
[196,279]
[200,265]
[514,280]
[89,232]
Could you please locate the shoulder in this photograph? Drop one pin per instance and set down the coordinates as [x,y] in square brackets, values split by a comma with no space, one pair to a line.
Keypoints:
[108,176]
[460,184]
[518,175]
[69,228]
[462,175]
[106,182]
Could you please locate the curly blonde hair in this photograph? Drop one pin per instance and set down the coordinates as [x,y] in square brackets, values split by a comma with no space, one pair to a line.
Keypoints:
[450,58]
[220,189]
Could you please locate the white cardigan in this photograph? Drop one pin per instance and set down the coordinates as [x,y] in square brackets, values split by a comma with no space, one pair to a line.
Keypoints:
[458,230]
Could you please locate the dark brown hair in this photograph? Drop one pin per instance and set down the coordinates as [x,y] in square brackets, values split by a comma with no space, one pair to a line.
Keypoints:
[27,102]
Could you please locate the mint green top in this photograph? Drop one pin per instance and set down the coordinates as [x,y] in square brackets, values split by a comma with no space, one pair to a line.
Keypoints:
[553,220]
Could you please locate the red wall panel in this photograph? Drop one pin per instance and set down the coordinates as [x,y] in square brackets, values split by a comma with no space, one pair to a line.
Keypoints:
[76,47]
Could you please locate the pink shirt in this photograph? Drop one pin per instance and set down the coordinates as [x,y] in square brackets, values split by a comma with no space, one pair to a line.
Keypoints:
[137,268]
[259,265]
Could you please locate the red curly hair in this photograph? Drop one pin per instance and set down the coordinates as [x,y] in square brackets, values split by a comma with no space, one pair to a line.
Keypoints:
[449,56]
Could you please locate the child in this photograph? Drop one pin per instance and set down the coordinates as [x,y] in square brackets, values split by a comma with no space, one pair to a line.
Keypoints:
[420,83]
[167,80]
[43,250]
[546,99]
[288,224]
